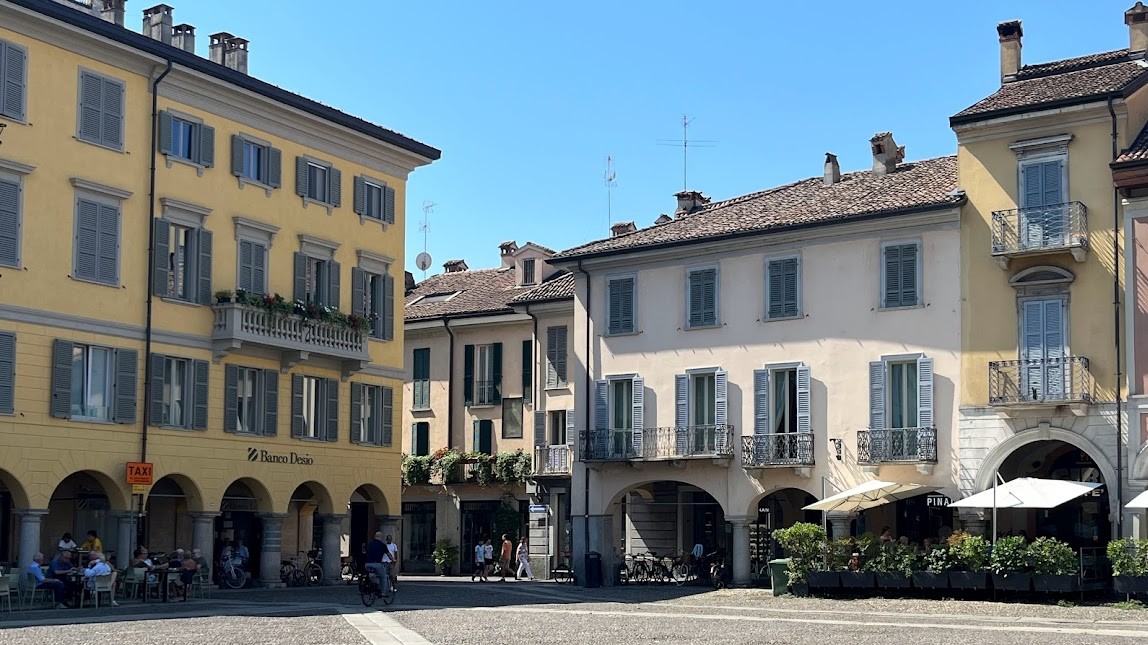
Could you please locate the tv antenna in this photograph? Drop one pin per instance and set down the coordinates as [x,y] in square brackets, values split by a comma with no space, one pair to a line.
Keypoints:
[611,180]
[685,144]
[423,260]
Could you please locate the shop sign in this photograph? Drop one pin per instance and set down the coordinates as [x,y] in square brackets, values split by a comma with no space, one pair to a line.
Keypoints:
[937,500]
[268,457]
[539,508]
[138,472]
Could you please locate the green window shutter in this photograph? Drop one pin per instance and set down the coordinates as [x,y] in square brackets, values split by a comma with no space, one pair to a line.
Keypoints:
[527,370]
[388,204]
[236,155]
[270,384]
[388,307]
[356,412]
[560,355]
[614,307]
[203,249]
[112,134]
[155,405]
[61,405]
[165,126]
[332,392]
[301,277]
[334,276]
[551,357]
[108,268]
[468,375]
[10,223]
[91,107]
[7,373]
[388,407]
[709,297]
[789,285]
[206,145]
[124,410]
[540,438]
[359,292]
[87,239]
[360,199]
[335,192]
[476,440]
[496,371]
[161,275]
[274,167]
[200,394]
[230,398]
[296,405]
[628,305]
[13,67]
[301,176]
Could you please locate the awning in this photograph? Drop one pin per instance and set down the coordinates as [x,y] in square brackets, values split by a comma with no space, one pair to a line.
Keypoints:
[869,495]
[1028,492]
[1140,501]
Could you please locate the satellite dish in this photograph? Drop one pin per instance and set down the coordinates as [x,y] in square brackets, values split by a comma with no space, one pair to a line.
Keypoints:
[423,261]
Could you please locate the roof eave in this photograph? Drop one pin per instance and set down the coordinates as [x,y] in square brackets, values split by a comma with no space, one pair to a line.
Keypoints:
[1124,92]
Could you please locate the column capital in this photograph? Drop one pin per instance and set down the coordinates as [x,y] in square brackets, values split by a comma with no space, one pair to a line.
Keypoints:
[740,520]
[30,513]
[203,515]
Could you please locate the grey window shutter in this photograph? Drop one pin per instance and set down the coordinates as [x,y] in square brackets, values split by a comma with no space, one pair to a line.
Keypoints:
[274,167]
[468,374]
[203,249]
[614,307]
[91,107]
[925,392]
[9,223]
[388,407]
[877,395]
[638,420]
[87,239]
[165,123]
[570,429]
[125,386]
[709,297]
[270,383]
[388,307]
[332,391]
[14,80]
[892,276]
[627,302]
[681,400]
[108,270]
[496,371]
[416,445]
[476,436]
[112,134]
[200,394]
[791,275]
[694,300]
[560,356]
[236,155]
[601,404]
[258,268]
[388,204]
[909,275]
[761,402]
[296,405]
[61,406]
[301,277]
[206,145]
[246,266]
[360,199]
[540,439]
[551,341]
[7,373]
[161,276]
[334,277]
[358,292]
[230,398]
[804,401]
[721,406]
[776,289]
[335,194]
[356,412]
[155,411]
[301,176]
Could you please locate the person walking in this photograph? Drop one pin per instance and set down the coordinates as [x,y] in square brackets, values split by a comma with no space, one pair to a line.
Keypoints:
[479,562]
[523,561]
[504,555]
[488,554]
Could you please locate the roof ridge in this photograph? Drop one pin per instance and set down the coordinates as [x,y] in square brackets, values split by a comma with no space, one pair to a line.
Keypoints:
[1073,64]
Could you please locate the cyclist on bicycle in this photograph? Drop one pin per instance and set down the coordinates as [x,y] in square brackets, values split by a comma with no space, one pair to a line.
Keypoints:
[376,551]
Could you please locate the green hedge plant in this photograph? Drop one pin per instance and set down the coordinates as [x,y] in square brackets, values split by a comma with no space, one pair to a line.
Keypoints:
[1010,555]
[804,545]
[1128,557]
[1050,556]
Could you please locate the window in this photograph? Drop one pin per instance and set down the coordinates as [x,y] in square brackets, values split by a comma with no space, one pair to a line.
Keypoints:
[556,357]
[528,271]
[783,401]
[901,393]
[97,242]
[620,298]
[374,199]
[622,416]
[256,161]
[179,392]
[248,405]
[183,262]
[558,434]
[700,399]
[901,275]
[484,375]
[182,139]
[10,193]
[420,395]
[512,418]
[372,411]
[91,382]
[7,373]
[252,267]
[372,296]
[483,431]
[251,400]
[185,138]
[180,262]
[317,181]
[703,400]
[420,439]
[782,284]
[13,73]
[314,408]
[175,393]
[313,402]
[316,276]
[702,298]
[101,111]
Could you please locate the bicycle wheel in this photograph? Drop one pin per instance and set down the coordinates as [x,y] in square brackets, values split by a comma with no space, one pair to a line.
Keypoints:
[388,593]
[366,591]
[235,579]
[285,570]
[681,573]
[562,576]
[296,579]
[314,574]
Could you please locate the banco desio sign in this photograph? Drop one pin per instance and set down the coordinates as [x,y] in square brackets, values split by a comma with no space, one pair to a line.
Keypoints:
[267,457]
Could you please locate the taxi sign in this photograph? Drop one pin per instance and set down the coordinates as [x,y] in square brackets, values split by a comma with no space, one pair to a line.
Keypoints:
[139,472]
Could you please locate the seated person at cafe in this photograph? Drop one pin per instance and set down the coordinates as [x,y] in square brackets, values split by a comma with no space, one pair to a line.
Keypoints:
[201,562]
[55,586]
[67,543]
[176,560]
[92,543]
[187,572]
[98,566]
[61,564]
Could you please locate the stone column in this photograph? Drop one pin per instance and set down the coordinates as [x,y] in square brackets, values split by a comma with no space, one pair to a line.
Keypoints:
[839,523]
[741,568]
[203,535]
[30,519]
[125,535]
[270,554]
[332,547]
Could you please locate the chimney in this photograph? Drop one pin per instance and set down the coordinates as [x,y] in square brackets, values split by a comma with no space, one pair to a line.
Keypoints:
[506,252]
[183,36]
[1010,34]
[157,23]
[216,46]
[1137,20]
[113,11]
[886,154]
[621,228]
[832,169]
[455,266]
[229,51]
[689,201]
[662,219]
[409,281]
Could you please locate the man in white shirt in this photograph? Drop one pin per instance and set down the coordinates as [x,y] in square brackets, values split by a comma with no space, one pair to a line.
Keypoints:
[479,562]
[391,558]
[98,566]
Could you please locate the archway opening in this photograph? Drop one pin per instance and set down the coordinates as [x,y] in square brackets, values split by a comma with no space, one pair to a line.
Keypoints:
[669,518]
[302,530]
[366,504]
[12,496]
[167,522]
[83,502]
[239,525]
[778,510]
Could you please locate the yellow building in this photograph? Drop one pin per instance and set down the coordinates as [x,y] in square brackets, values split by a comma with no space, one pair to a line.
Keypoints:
[1041,388]
[149,198]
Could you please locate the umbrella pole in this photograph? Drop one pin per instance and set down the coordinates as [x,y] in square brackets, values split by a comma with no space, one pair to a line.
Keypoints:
[996,476]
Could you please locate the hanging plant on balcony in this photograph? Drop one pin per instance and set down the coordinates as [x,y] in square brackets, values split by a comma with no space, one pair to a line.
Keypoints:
[512,467]
[483,468]
[223,296]
[416,470]
[445,463]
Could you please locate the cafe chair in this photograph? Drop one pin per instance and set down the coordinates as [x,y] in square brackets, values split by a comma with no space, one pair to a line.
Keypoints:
[198,585]
[29,594]
[135,580]
[6,593]
[103,584]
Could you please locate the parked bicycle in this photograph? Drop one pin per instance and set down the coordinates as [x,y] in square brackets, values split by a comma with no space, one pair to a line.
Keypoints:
[718,571]
[230,574]
[370,588]
[294,574]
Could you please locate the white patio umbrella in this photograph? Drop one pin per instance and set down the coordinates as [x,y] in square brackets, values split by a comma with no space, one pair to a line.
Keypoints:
[869,495]
[1027,492]
[1140,501]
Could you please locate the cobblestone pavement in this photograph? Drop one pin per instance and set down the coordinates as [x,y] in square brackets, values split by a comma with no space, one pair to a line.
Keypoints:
[456,611]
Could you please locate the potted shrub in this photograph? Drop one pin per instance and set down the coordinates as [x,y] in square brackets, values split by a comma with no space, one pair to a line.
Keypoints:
[1054,566]
[1129,560]
[416,470]
[223,296]
[936,564]
[445,556]
[857,553]
[804,544]
[893,565]
[1012,569]
[970,554]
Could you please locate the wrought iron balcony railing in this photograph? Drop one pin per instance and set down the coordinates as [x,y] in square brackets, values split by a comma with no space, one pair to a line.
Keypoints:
[1041,229]
[781,449]
[237,325]
[897,445]
[1052,381]
[484,393]
[682,442]
[553,460]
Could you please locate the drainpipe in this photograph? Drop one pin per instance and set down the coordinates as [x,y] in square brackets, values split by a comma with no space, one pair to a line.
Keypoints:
[589,384]
[1116,222]
[449,387]
[533,372]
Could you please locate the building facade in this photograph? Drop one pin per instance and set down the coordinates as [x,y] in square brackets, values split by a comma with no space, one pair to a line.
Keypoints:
[154,206]
[489,364]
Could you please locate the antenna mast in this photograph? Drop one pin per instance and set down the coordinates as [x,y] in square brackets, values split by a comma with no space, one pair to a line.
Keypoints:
[684,143]
[428,208]
[611,180]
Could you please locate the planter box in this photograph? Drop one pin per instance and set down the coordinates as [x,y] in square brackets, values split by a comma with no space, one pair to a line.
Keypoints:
[927,580]
[888,580]
[969,579]
[824,579]
[858,580]
[1012,581]
[1130,584]
[1050,583]
[801,590]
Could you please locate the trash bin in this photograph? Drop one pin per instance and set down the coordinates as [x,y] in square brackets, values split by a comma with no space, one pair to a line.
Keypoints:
[779,575]
[593,569]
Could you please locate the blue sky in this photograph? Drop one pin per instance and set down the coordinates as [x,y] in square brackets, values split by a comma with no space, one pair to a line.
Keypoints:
[527,99]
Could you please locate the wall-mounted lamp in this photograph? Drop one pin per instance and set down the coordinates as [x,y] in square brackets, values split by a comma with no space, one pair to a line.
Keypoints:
[837,447]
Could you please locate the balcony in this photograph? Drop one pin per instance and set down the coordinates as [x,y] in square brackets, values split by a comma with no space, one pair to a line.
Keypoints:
[296,339]
[1041,230]
[878,447]
[794,450]
[1041,383]
[659,444]
[484,393]
[554,461]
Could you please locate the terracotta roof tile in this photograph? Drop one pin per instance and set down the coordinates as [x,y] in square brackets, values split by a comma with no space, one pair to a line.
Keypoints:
[1138,151]
[482,291]
[559,287]
[918,185]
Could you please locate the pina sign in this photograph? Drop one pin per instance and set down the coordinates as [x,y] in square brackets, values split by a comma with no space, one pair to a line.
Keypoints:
[265,457]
